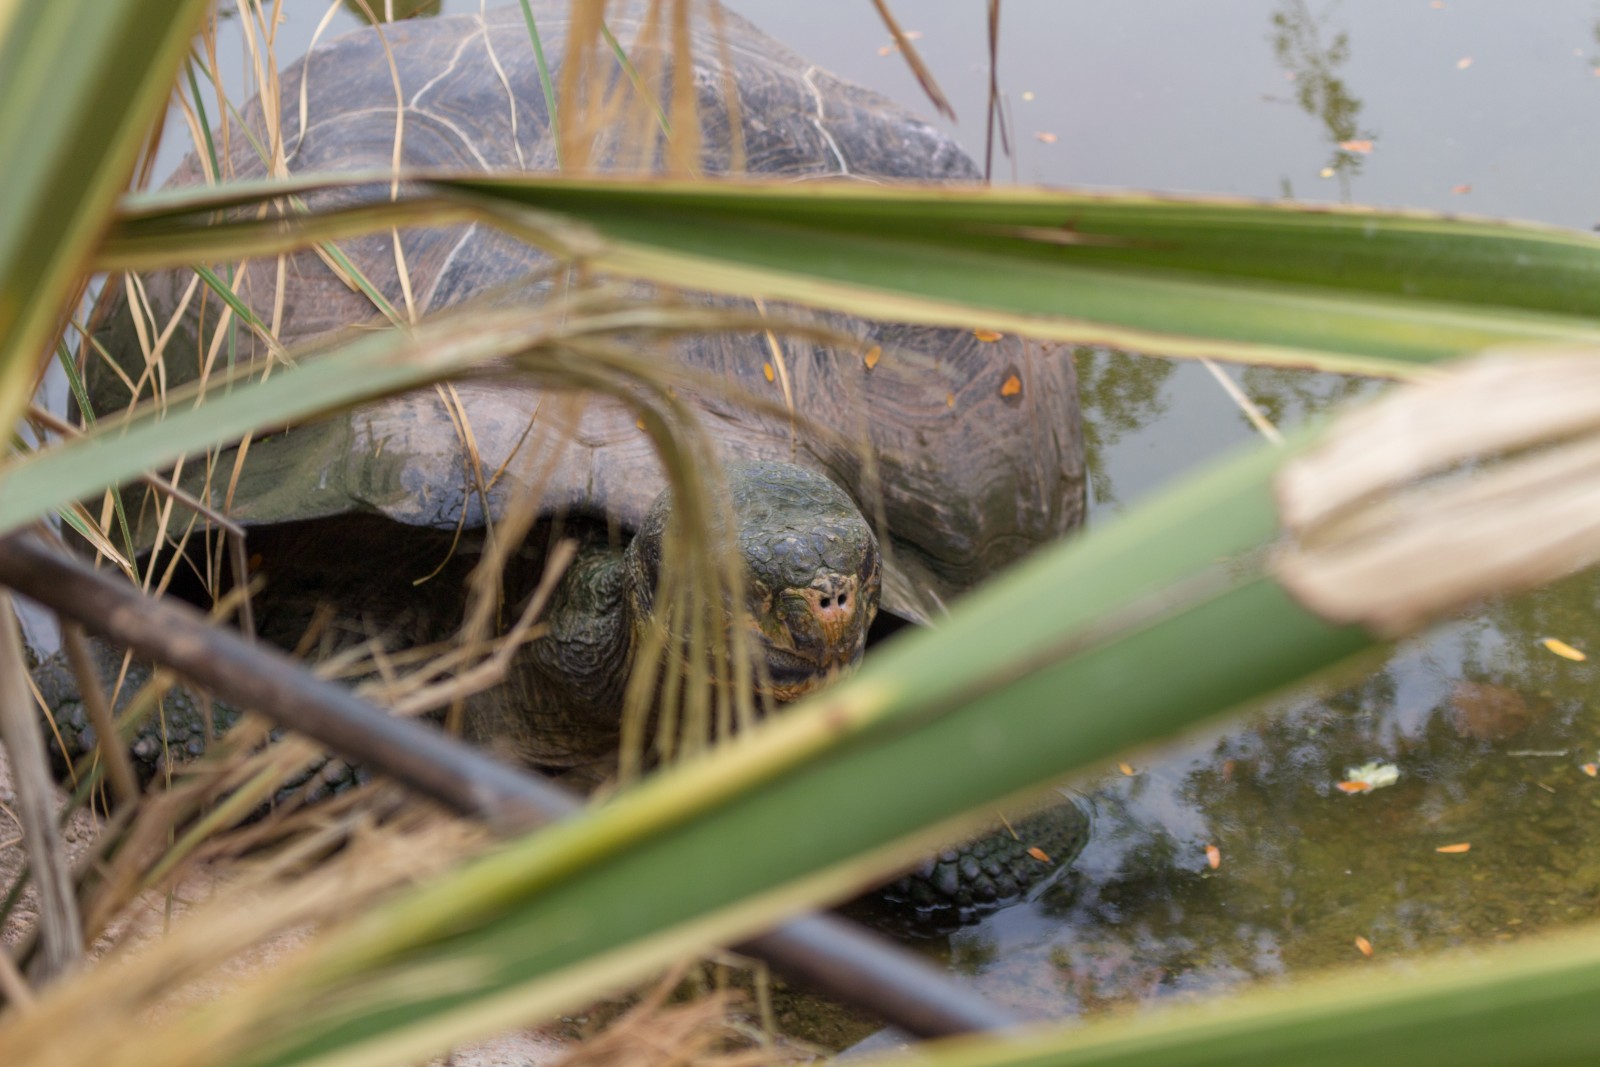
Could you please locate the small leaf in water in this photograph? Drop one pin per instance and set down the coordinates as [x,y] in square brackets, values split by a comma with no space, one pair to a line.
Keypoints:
[1047,138]
[766,369]
[1465,846]
[1011,387]
[987,335]
[1126,768]
[1364,945]
[1564,650]
[1460,189]
[874,354]
[1213,857]
[1027,94]
[1039,854]
[1464,62]
[1591,769]
[1362,147]
[1369,776]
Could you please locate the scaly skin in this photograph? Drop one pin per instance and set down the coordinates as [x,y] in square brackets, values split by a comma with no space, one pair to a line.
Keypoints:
[811,592]
[811,583]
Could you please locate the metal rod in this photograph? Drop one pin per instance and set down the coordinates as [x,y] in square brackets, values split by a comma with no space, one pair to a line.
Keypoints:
[833,955]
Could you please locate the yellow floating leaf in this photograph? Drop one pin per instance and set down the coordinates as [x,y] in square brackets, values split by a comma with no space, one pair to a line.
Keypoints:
[987,336]
[1126,768]
[1464,62]
[639,423]
[949,400]
[1455,849]
[1361,147]
[874,354]
[1355,787]
[1027,95]
[766,369]
[1047,138]
[1039,854]
[1325,172]
[1364,945]
[1213,857]
[1591,769]
[1564,650]
[1011,387]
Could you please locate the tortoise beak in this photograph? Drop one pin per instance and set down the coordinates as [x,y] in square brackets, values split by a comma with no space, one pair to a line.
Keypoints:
[834,616]
[823,634]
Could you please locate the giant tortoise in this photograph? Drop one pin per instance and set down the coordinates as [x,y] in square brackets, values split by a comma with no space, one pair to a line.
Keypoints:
[958,454]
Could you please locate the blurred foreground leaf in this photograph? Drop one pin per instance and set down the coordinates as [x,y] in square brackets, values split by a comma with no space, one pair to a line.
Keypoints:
[1343,289]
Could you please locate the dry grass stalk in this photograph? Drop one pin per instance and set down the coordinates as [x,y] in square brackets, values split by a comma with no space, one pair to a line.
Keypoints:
[60,927]
[704,1032]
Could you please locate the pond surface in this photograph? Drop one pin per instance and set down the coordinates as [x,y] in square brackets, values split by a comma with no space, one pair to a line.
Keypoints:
[1454,106]
[1462,107]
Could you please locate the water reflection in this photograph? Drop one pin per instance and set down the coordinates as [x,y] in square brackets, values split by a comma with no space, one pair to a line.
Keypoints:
[1120,394]
[1312,54]
[1490,731]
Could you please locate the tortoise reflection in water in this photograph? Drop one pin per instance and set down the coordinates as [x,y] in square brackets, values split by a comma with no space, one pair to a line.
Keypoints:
[966,454]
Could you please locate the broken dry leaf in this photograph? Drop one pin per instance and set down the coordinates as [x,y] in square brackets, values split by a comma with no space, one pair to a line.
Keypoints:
[1564,650]
[1011,387]
[1039,854]
[1364,945]
[1126,768]
[1213,857]
[1464,62]
[874,354]
[1464,846]
[987,335]
[1369,776]
[1362,147]
[1047,138]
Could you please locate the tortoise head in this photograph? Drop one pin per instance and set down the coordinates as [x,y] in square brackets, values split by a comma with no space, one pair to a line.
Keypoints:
[813,573]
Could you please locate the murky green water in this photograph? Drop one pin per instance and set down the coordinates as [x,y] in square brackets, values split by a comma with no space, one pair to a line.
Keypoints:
[1456,106]
[1475,108]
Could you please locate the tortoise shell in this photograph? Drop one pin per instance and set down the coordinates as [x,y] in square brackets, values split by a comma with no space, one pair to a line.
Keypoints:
[967,454]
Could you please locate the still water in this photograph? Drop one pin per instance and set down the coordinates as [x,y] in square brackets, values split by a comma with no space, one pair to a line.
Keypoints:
[1455,106]
[1463,107]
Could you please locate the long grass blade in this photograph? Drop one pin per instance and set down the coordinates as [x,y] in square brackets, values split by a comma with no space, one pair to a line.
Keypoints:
[1340,289]
[73,114]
